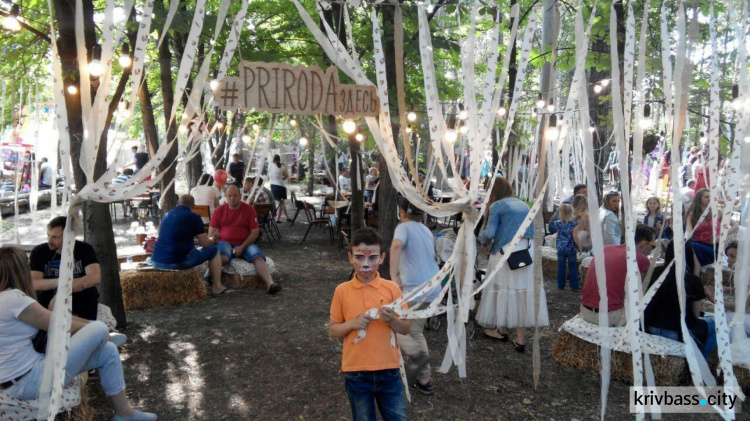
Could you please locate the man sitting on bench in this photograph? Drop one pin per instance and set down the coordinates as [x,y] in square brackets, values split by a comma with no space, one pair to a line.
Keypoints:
[234,226]
[175,248]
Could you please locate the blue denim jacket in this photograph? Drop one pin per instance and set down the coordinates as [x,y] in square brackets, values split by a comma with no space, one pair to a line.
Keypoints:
[505,217]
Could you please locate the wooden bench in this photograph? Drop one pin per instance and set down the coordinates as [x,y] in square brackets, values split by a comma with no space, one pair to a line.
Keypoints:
[155,288]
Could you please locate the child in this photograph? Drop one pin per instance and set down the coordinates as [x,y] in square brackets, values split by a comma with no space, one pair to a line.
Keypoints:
[655,219]
[731,252]
[412,264]
[371,365]
[567,252]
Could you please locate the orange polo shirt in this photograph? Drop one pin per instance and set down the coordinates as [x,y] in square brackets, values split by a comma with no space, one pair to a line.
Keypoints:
[374,352]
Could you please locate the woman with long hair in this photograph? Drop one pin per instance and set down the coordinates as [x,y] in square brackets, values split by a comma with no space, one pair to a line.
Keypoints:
[705,238]
[509,301]
[21,318]
[609,214]
[277,174]
[581,233]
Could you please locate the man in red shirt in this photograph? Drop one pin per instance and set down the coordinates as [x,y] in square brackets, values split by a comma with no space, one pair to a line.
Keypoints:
[615,266]
[234,226]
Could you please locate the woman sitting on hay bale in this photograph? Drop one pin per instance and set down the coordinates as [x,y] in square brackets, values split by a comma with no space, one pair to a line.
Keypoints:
[662,315]
[21,318]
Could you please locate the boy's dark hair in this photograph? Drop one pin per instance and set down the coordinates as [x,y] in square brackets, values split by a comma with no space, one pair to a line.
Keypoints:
[128,171]
[58,221]
[732,245]
[644,233]
[368,237]
[409,208]
[579,187]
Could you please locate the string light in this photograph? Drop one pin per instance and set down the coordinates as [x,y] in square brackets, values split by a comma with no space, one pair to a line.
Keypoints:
[182,129]
[303,140]
[552,131]
[214,84]
[349,126]
[246,138]
[95,65]
[411,116]
[533,113]
[551,106]
[219,124]
[463,129]
[256,127]
[450,134]
[736,102]
[501,111]
[125,60]
[703,137]
[293,123]
[598,88]
[604,82]
[539,101]
[462,114]
[592,128]
[408,129]
[360,137]
[72,89]
[646,121]
[11,22]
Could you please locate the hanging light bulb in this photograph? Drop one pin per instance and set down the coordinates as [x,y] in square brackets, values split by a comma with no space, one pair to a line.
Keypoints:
[539,101]
[214,84]
[411,116]
[303,140]
[184,115]
[183,129]
[501,111]
[592,128]
[95,65]
[125,60]
[533,113]
[450,134]
[646,121]
[11,22]
[736,102]
[256,127]
[360,137]
[552,131]
[408,129]
[349,126]
[462,114]
[293,123]
[604,82]
[702,138]
[598,88]
[72,89]
[551,106]
[219,124]
[246,138]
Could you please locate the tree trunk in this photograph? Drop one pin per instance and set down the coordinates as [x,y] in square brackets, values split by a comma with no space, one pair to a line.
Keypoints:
[167,167]
[150,131]
[358,182]
[96,217]
[311,164]
[388,196]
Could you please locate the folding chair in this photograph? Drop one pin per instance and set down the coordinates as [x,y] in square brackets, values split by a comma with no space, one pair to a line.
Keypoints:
[300,208]
[313,221]
[204,211]
[265,220]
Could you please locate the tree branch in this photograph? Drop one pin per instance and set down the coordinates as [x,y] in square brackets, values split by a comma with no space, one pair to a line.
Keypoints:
[44,37]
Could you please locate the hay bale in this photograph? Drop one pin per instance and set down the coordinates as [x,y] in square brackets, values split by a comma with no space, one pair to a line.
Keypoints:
[549,262]
[242,274]
[571,351]
[154,288]
[707,275]
[137,257]
[743,378]
[82,412]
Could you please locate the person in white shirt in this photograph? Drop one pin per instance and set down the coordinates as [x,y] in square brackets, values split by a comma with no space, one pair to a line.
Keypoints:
[277,173]
[344,183]
[45,175]
[205,194]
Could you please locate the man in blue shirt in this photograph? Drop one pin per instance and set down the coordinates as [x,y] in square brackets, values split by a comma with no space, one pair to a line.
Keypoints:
[174,249]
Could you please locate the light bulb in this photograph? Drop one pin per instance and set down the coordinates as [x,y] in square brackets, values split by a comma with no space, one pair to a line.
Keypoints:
[451,135]
[95,68]
[72,89]
[349,126]
[408,129]
[533,113]
[539,101]
[604,82]
[703,137]
[463,129]
[184,115]
[737,104]
[256,127]
[463,115]
[293,123]
[219,124]
[411,116]
[646,123]
[246,138]
[11,21]
[598,89]
[214,84]
[551,107]
[552,133]
[182,129]
[592,129]
[360,137]
[125,61]
[501,111]
[303,141]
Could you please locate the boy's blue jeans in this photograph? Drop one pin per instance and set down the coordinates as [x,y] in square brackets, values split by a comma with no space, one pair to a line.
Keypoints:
[366,388]
[567,261]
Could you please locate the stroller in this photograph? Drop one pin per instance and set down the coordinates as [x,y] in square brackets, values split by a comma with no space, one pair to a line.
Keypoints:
[444,244]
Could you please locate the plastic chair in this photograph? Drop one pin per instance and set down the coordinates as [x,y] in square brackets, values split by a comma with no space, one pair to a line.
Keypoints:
[313,221]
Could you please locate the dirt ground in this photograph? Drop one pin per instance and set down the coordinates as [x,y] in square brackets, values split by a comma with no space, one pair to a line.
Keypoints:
[252,356]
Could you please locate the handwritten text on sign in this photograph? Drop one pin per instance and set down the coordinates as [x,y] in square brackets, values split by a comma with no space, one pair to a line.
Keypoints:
[281,88]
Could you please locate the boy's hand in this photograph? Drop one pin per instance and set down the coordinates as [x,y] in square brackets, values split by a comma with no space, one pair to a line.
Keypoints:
[362,321]
[386,314]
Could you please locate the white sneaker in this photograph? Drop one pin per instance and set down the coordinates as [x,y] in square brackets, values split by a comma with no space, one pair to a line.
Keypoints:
[118,339]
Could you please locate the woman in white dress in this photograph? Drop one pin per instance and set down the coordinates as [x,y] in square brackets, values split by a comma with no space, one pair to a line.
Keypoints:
[509,301]
[277,173]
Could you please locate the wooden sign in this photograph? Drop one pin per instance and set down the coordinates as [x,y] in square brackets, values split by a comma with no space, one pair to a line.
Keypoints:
[281,88]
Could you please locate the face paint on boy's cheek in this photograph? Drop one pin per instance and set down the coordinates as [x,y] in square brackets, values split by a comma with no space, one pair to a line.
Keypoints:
[365,259]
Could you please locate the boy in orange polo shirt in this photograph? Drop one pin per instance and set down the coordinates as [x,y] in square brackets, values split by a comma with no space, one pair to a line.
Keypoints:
[370,365]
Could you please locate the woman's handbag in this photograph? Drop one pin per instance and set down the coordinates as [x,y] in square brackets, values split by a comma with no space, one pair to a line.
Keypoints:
[519,259]
[40,342]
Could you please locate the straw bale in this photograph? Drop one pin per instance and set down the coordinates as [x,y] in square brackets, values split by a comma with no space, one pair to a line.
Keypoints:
[571,351]
[238,281]
[138,257]
[82,412]
[743,378]
[549,262]
[153,288]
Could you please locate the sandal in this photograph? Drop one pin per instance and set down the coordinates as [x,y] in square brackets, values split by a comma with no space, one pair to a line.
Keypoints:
[519,347]
[502,337]
[227,291]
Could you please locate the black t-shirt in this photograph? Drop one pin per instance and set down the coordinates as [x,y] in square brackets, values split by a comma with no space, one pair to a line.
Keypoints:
[141,158]
[237,171]
[47,261]
[664,309]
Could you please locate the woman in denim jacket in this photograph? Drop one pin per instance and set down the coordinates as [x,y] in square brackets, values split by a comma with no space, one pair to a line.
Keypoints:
[509,301]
